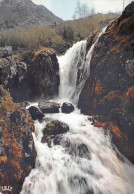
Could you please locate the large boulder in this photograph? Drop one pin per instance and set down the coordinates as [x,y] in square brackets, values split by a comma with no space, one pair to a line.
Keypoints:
[108,91]
[37,77]
[5,51]
[54,128]
[49,107]
[42,79]
[35,113]
[8,69]
[17,152]
[67,107]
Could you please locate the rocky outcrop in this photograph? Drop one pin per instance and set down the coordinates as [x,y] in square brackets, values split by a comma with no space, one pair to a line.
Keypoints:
[108,94]
[5,52]
[67,107]
[17,153]
[43,73]
[8,67]
[38,77]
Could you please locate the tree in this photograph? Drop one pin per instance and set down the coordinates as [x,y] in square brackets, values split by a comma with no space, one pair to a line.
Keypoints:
[81,11]
[81,14]
[123,4]
[78,11]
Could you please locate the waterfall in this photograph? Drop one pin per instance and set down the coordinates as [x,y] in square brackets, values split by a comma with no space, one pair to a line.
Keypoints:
[74,70]
[83,161]
[70,64]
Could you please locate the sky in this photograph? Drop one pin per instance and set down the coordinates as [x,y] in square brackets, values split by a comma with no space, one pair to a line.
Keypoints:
[65,8]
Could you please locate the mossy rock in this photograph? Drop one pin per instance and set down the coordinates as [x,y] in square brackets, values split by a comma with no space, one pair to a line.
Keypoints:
[55,128]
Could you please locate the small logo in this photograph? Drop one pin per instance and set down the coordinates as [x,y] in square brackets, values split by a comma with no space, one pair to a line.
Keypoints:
[5,189]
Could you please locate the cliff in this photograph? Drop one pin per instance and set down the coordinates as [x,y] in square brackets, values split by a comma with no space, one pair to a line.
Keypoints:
[108,93]
[17,153]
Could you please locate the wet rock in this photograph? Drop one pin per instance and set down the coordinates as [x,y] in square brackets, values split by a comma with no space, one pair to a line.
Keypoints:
[76,149]
[49,107]
[91,40]
[109,90]
[57,139]
[55,128]
[80,183]
[67,107]
[35,113]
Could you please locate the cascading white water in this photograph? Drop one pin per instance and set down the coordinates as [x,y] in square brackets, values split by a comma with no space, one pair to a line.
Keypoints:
[70,64]
[83,160]
[74,70]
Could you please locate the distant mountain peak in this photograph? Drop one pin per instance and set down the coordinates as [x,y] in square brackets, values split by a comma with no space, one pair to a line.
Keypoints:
[23,13]
[11,2]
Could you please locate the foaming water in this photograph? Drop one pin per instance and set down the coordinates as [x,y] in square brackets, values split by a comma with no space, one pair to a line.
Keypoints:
[75,69]
[83,160]
[70,65]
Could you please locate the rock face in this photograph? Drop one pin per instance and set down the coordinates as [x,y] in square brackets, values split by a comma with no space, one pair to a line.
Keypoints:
[49,107]
[43,74]
[67,107]
[38,78]
[17,153]
[109,91]
[8,67]
[5,52]
[18,13]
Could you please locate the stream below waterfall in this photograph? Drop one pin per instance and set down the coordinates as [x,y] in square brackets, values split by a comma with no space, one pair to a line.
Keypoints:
[85,161]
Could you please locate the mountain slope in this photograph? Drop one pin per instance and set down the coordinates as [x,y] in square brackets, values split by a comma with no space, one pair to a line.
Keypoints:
[17,13]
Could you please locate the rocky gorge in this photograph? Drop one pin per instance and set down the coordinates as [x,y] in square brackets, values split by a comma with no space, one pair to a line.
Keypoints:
[46,144]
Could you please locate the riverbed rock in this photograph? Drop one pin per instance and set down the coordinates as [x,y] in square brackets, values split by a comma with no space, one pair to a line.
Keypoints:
[35,113]
[108,92]
[49,107]
[17,152]
[67,107]
[54,128]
